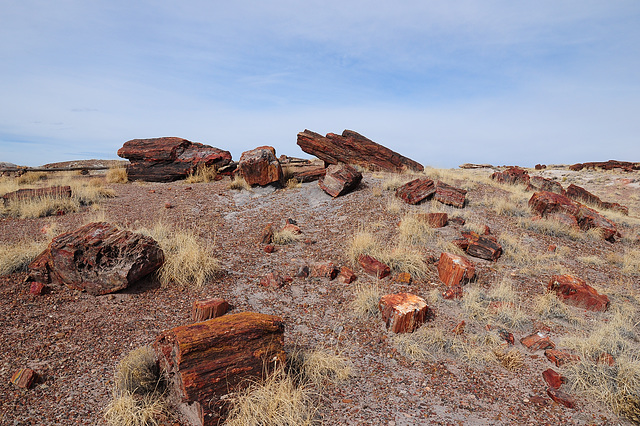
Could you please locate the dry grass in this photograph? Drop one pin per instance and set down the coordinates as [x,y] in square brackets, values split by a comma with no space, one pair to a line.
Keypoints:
[513,206]
[511,360]
[127,409]
[188,261]
[322,367]
[31,178]
[548,307]
[285,236]
[16,257]
[361,243]
[117,175]
[403,258]
[393,206]
[239,183]
[395,181]
[293,184]
[138,372]
[202,174]
[366,299]
[551,228]
[500,305]
[414,231]
[631,262]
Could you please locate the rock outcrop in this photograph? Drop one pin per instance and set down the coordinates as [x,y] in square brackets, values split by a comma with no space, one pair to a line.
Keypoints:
[353,148]
[168,159]
[606,165]
[512,176]
[98,258]
[340,179]
[260,166]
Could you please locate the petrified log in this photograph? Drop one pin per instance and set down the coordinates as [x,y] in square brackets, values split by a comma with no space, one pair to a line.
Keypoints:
[454,270]
[539,183]
[324,270]
[578,193]
[28,194]
[260,166]
[374,266]
[560,358]
[302,170]
[434,220]
[353,148]
[403,312]
[203,310]
[606,165]
[168,159]
[589,218]
[575,291]
[340,179]
[416,191]
[98,258]
[512,176]
[537,341]
[450,195]
[544,203]
[346,276]
[553,378]
[208,360]
[482,246]
[561,398]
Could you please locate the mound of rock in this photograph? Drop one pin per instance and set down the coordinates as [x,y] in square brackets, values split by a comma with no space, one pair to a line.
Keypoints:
[512,176]
[606,165]
[168,159]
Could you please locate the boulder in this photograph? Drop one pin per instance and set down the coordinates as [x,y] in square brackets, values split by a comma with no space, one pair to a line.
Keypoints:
[373,266]
[98,258]
[512,176]
[340,179]
[537,341]
[206,361]
[560,358]
[260,166]
[450,195]
[482,246]
[403,312]
[435,220]
[416,191]
[168,159]
[588,218]
[539,183]
[455,270]
[353,148]
[203,310]
[576,292]
[29,194]
[553,378]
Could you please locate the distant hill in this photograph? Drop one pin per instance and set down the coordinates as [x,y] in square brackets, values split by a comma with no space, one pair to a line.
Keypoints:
[85,163]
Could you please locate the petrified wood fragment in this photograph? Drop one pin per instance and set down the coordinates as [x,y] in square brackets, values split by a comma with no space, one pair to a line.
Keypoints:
[455,270]
[29,194]
[203,310]
[340,179]
[512,176]
[373,266]
[575,291]
[416,191]
[403,312]
[260,166]
[450,195]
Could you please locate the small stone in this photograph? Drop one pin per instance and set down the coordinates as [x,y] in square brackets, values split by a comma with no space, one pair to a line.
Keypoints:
[403,278]
[454,269]
[553,378]
[459,329]
[606,359]
[561,397]
[576,292]
[24,378]
[560,358]
[203,310]
[168,205]
[269,248]
[37,288]
[537,341]
[346,276]
[453,292]
[273,280]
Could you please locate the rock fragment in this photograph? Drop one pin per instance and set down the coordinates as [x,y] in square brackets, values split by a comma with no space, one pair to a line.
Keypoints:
[403,312]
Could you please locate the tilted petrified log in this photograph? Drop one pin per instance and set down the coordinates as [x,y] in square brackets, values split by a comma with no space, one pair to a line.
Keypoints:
[206,361]
[168,159]
[353,148]
[512,176]
[28,194]
[575,291]
[416,191]
[98,258]
[578,193]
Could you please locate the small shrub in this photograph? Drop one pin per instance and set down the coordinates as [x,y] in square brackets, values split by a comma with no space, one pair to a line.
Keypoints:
[202,174]
[117,175]
[393,206]
[239,183]
[138,372]
[285,236]
[320,367]
[292,183]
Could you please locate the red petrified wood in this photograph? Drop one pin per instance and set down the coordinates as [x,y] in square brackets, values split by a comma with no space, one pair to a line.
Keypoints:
[373,266]
[575,291]
[537,341]
[324,270]
[207,360]
[540,183]
[435,220]
[28,194]
[203,310]
[450,195]
[403,312]
[353,148]
[416,191]
[484,247]
[24,378]
[455,270]
[561,397]
[260,166]
[346,276]
[560,358]
[553,378]
[513,175]
[340,179]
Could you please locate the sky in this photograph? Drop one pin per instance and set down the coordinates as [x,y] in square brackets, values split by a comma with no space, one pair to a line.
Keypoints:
[442,82]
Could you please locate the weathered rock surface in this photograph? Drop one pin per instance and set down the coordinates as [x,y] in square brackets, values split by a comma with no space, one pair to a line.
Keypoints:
[435,220]
[450,195]
[576,292]
[416,191]
[553,379]
[403,312]
[482,246]
[24,378]
[578,193]
[454,270]
[168,159]
[324,270]
[98,258]
[373,266]
[340,179]
[29,194]
[561,398]
[353,148]
[207,360]
[260,166]
[560,358]
[539,183]
[512,176]
[537,341]
[203,310]
[606,165]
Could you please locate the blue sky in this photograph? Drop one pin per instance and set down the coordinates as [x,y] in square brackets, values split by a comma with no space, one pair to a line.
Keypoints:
[500,82]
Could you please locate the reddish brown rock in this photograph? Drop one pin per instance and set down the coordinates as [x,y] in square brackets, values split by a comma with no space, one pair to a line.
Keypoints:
[310,174]
[453,292]
[576,292]
[506,336]
[512,176]
[260,166]
[207,360]
[589,218]
[540,166]
[373,266]
[537,341]
[203,310]
[168,159]
[553,379]
[37,289]
[539,183]
[482,246]
[24,378]
[269,248]
[274,280]
[461,243]
[454,270]
[303,272]
[98,258]
[294,229]
[353,148]
[457,221]
[324,270]
[416,191]
[560,358]
[459,329]
[30,194]
[302,170]
[561,397]
[564,218]
[606,165]
[340,179]
[450,195]
[403,278]
[267,234]
[435,220]
[346,276]
[578,193]
[403,312]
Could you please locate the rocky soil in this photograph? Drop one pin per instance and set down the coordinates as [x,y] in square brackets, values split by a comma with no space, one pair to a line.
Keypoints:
[74,340]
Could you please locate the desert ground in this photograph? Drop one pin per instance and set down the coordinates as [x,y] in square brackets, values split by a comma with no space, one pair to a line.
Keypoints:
[75,341]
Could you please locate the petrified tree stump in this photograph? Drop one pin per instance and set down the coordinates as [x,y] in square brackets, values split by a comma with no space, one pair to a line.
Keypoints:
[403,312]
[455,270]
[260,166]
[208,360]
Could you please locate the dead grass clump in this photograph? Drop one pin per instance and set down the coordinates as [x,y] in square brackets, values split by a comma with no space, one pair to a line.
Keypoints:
[188,262]
[393,206]
[41,207]
[551,228]
[511,360]
[414,231]
[501,304]
[138,372]
[285,236]
[117,175]
[511,206]
[363,242]
[31,178]
[548,306]
[16,257]
[202,174]
[127,409]
[239,183]
[366,299]
[474,227]
[395,181]
[321,367]
[293,183]
[403,258]
[631,262]
[278,400]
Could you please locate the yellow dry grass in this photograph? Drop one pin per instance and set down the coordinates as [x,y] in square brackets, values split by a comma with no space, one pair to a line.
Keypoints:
[16,257]
[127,409]
[511,360]
[285,236]
[414,231]
[138,372]
[239,184]
[117,175]
[322,367]
[365,300]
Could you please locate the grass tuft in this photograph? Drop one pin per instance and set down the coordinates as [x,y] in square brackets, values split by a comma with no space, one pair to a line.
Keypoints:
[138,372]
[16,257]
[127,409]
[366,299]
[285,236]
[117,175]
[239,183]
[202,174]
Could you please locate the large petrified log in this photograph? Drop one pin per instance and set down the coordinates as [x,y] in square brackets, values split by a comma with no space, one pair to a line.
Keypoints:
[168,159]
[575,291]
[260,166]
[512,176]
[98,258]
[578,193]
[416,191]
[450,195]
[206,361]
[28,194]
[606,165]
[340,179]
[353,148]
[404,312]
